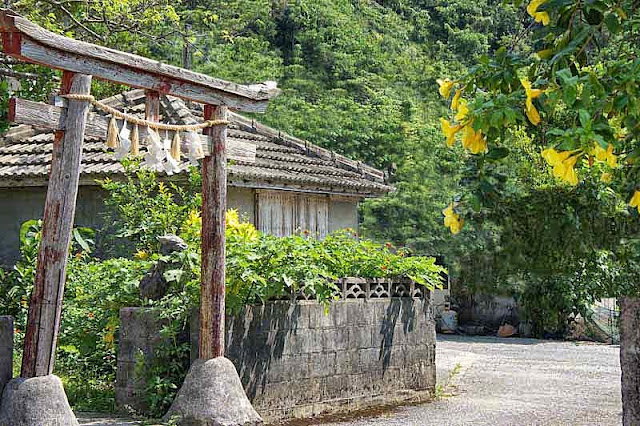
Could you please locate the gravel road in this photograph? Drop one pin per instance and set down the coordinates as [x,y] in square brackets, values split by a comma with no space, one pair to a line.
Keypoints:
[506,382]
[517,382]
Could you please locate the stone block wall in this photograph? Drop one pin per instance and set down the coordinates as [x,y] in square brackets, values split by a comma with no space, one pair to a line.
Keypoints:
[6,351]
[139,336]
[296,360]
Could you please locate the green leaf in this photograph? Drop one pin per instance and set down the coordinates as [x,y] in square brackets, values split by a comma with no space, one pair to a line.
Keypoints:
[569,95]
[497,153]
[81,241]
[585,118]
[612,22]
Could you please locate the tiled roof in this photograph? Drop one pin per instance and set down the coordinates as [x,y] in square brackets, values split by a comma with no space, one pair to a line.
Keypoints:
[281,160]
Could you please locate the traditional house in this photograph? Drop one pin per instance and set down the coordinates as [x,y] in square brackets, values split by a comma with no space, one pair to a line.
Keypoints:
[292,185]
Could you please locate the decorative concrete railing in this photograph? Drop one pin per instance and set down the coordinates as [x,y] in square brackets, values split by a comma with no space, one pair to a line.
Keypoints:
[375,346]
[372,288]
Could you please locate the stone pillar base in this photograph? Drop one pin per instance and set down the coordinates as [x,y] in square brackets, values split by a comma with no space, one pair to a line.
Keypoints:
[212,395]
[38,401]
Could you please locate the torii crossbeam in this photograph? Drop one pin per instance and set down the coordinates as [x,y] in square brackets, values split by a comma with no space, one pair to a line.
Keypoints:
[79,61]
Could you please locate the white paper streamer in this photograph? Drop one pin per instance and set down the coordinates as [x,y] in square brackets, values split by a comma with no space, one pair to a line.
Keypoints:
[194,144]
[125,142]
[156,154]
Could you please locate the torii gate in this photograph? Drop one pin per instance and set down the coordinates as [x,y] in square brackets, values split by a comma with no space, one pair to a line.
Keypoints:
[79,61]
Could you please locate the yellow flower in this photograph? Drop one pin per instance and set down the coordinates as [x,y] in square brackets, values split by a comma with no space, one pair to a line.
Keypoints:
[563,164]
[554,157]
[530,109]
[454,101]
[605,155]
[533,115]
[635,200]
[463,110]
[479,144]
[141,254]
[452,220]
[449,215]
[449,131]
[532,10]
[606,177]
[445,87]
[457,226]
[231,218]
[565,170]
[473,141]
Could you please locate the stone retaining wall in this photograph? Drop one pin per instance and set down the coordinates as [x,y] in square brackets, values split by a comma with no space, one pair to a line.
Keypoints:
[296,360]
[6,351]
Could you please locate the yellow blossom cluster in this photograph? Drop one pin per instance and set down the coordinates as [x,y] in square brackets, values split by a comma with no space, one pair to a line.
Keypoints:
[605,155]
[472,140]
[532,10]
[563,163]
[237,227]
[635,200]
[452,220]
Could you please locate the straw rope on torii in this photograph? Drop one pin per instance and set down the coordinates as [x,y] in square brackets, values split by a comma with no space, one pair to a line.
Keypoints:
[142,122]
[161,155]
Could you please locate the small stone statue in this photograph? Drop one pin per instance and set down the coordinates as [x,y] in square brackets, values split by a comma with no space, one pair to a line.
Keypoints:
[153,286]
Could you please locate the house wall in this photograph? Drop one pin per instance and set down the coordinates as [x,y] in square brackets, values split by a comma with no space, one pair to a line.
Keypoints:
[295,360]
[343,213]
[22,204]
[26,203]
[244,200]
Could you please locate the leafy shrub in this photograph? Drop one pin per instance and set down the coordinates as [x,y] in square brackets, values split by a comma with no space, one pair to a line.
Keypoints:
[94,293]
[141,207]
[261,267]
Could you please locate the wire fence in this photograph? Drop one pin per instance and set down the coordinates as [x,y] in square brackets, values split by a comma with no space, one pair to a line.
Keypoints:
[604,316]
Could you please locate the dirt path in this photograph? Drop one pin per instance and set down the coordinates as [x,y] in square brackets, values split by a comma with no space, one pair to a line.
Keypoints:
[517,382]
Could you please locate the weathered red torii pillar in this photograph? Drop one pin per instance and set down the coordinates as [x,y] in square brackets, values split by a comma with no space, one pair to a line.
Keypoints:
[79,61]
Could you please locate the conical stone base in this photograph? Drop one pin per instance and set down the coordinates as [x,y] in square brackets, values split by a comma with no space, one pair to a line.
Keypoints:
[212,395]
[38,401]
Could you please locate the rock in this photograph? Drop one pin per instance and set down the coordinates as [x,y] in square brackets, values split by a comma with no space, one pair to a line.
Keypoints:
[507,330]
[212,395]
[473,330]
[153,285]
[171,243]
[38,401]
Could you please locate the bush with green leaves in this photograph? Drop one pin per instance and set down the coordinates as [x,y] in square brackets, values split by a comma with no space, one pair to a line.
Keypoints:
[94,293]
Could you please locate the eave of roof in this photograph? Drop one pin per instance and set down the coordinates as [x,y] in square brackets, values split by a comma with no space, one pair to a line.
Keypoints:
[282,161]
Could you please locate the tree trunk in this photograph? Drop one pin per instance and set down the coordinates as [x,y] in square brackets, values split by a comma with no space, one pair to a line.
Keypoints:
[630,360]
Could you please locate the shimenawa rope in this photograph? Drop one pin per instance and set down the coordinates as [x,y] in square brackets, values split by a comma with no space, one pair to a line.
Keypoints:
[141,122]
